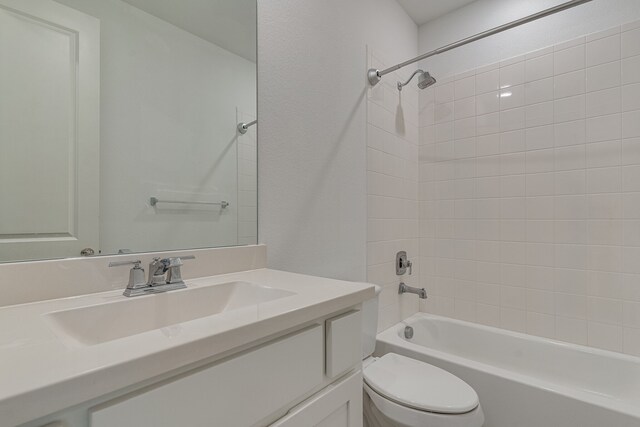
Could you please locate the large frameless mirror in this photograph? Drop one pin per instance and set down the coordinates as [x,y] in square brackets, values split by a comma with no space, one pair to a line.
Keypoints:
[119,126]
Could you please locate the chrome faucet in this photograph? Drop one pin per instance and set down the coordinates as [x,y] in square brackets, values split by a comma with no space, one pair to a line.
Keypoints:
[157,281]
[404,289]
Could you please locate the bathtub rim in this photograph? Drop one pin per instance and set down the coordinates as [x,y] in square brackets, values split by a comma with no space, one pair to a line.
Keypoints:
[392,337]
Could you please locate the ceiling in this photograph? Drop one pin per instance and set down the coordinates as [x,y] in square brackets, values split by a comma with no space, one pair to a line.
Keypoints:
[422,11]
[229,24]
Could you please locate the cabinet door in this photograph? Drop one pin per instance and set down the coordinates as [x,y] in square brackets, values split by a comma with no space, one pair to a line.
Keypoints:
[338,405]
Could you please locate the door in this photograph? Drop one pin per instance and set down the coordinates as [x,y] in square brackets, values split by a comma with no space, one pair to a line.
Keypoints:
[49,130]
[338,405]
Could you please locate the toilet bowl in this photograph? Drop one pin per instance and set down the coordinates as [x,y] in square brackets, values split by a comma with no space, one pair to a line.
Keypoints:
[399,391]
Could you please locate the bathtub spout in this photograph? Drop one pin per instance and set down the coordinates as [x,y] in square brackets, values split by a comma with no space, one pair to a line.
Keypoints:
[404,289]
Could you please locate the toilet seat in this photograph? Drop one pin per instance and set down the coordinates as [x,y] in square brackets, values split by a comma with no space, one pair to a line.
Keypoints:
[417,385]
[404,416]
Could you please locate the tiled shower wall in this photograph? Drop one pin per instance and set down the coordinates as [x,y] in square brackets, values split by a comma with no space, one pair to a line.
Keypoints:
[392,191]
[530,192]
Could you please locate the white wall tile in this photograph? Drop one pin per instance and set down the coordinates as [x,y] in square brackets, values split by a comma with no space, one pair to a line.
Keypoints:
[465,87]
[539,114]
[631,97]
[512,97]
[512,75]
[530,201]
[608,337]
[512,119]
[488,81]
[539,67]
[542,325]
[539,91]
[570,157]
[603,50]
[569,109]
[444,93]
[604,102]
[631,341]
[540,137]
[631,70]
[630,43]
[571,59]
[603,154]
[571,133]
[488,124]
[465,108]
[571,330]
[488,103]
[603,76]
[631,124]
[604,128]
[631,151]
[569,84]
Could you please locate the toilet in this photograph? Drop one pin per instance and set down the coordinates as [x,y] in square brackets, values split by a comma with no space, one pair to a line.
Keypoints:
[403,392]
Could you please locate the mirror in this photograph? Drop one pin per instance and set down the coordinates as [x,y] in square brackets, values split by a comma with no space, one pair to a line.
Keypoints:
[119,126]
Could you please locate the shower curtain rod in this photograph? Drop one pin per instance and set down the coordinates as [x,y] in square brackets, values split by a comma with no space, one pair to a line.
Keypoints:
[374,75]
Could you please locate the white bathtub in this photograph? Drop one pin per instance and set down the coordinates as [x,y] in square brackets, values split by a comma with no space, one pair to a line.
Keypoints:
[525,381]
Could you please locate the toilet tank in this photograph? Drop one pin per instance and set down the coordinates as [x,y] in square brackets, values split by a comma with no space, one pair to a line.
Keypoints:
[370,324]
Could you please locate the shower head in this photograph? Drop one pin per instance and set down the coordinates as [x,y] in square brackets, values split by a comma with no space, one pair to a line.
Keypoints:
[424,80]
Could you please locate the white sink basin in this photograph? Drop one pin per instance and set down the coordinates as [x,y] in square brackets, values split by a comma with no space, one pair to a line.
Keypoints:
[109,321]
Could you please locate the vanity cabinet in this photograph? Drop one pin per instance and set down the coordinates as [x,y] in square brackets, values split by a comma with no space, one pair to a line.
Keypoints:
[310,377]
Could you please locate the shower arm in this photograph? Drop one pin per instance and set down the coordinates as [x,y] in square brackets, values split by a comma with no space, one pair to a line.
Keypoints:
[400,84]
[374,75]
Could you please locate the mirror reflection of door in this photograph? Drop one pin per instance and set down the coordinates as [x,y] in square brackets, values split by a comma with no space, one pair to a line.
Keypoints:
[49,130]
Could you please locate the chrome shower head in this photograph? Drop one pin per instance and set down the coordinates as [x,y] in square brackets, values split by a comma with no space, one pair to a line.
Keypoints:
[424,80]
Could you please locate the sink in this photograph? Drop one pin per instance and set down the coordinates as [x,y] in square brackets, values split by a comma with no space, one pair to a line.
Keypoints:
[100,323]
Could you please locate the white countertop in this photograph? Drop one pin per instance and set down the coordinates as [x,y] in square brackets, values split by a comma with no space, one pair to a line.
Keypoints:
[41,374]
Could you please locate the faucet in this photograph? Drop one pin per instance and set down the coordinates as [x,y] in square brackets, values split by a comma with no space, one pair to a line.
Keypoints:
[404,289]
[157,281]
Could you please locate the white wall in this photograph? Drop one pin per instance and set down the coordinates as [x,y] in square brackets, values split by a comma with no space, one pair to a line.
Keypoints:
[529,176]
[312,62]
[482,15]
[168,129]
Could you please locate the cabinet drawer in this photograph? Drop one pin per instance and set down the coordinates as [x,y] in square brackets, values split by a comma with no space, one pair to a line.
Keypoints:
[344,343]
[238,392]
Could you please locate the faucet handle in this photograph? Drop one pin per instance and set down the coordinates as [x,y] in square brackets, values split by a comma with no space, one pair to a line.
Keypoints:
[136,263]
[177,261]
[402,263]
[174,274]
[136,274]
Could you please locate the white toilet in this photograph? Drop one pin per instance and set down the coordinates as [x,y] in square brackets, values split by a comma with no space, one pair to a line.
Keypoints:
[403,392]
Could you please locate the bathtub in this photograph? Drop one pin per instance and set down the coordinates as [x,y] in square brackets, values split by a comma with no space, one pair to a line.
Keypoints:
[525,381]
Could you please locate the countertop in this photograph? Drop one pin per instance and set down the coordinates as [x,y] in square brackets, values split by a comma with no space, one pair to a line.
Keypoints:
[40,373]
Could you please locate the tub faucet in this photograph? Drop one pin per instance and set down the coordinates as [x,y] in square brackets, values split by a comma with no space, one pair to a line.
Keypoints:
[404,289]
